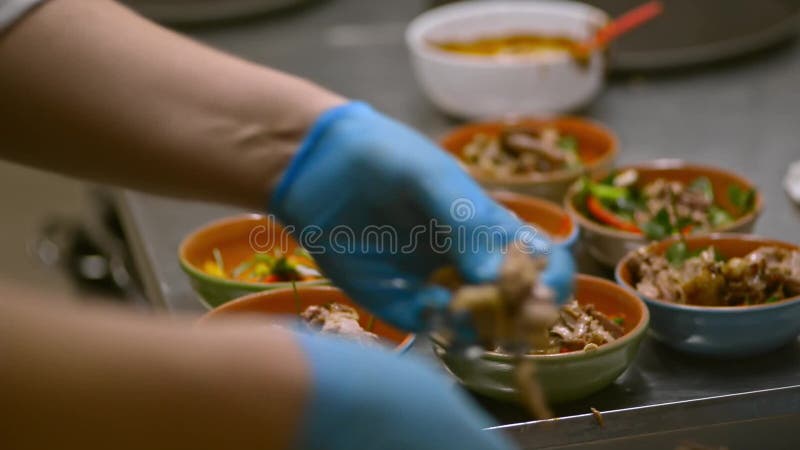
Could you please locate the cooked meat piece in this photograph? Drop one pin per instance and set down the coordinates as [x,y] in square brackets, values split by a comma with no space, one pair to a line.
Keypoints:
[516,310]
[579,327]
[766,274]
[521,142]
[677,199]
[338,319]
[609,325]
[518,151]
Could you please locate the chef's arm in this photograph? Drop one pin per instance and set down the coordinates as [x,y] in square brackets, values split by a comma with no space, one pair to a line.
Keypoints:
[91,89]
[80,378]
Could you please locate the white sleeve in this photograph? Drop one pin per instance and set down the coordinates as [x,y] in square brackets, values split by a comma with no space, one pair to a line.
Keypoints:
[13,10]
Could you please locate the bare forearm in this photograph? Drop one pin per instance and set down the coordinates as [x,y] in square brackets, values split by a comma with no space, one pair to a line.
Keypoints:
[89,379]
[92,90]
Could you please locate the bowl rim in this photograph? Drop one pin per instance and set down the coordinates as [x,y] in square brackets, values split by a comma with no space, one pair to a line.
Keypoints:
[195,272]
[626,339]
[419,27]
[664,164]
[567,241]
[534,178]
[727,310]
[401,347]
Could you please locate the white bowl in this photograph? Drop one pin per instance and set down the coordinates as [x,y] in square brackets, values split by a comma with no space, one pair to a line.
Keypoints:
[477,87]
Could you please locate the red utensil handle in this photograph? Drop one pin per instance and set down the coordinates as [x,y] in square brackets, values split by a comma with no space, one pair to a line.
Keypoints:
[628,21]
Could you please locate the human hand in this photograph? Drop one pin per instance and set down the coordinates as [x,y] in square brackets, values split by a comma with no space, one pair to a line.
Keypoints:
[367,398]
[380,208]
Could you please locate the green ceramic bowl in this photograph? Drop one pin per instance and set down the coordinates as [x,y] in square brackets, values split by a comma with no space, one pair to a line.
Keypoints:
[565,376]
[237,238]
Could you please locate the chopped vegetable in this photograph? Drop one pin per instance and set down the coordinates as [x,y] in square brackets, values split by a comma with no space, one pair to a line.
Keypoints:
[218,259]
[266,268]
[601,213]
[659,227]
[742,199]
[678,253]
[718,216]
[659,208]
[703,186]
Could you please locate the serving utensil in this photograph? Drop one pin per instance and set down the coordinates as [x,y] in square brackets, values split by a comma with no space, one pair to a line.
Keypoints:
[627,22]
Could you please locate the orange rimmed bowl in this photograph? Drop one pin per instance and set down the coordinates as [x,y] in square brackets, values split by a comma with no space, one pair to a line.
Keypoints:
[237,238]
[282,303]
[546,216]
[598,147]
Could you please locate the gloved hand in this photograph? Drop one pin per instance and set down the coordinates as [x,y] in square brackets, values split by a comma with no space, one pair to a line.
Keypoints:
[380,207]
[366,398]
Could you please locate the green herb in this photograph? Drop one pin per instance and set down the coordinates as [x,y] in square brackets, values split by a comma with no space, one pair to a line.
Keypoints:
[659,227]
[718,256]
[608,192]
[568,143]
[371,323]
[703,185]
[218,259]
[718,216]
[284,268]
[772,299]
[609,179]
[677,253]
[619,321]
[627,207]
[742,199]
[263,257]
[683,223]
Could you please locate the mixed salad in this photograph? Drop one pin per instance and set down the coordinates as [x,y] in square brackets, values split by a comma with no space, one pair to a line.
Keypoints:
[266,267]
[660,208]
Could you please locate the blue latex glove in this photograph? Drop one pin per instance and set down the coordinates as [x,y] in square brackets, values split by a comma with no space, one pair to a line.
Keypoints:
[366,398]
[359,169]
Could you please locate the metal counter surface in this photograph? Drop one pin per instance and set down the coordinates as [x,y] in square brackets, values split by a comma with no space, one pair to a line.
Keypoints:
[743,115]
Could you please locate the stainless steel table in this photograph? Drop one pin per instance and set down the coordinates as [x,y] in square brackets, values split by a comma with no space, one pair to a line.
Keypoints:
[744,114]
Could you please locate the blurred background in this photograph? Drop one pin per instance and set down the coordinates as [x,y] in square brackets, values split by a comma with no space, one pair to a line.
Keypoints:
[66,235]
